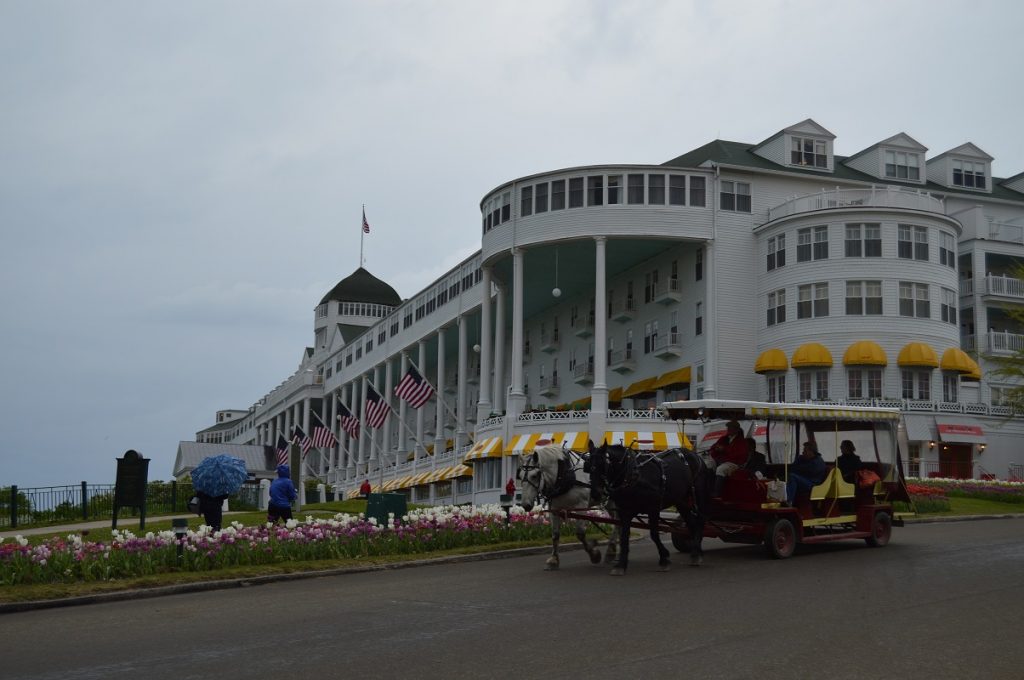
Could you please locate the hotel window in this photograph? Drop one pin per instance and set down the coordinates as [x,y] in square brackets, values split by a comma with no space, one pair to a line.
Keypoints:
[614,189]
[947,249]
[912,242]
[864,297]
[864,383]
[595,190]
[969,174]
[698,264]
[698,192]
[558,194]
[916,384]
[812,152]
[902,165]
[812,301]
[777,306]
[813,384]
[777,388]
[1001,396]
[650,285]
[698,319]
[950,387]
[948,306]
[821,243]
[506,206]
[803,245]
[735,196]
[495,214]
[541,191]
[869,246]
[914,300]
[635,192]
[575,192]
[677,189]
[526,201]
[650,336]
[776,252]
[656,189]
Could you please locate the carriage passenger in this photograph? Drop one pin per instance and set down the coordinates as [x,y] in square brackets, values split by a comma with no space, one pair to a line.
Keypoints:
[756,462]
[848,462]
[729,453]
[808,471]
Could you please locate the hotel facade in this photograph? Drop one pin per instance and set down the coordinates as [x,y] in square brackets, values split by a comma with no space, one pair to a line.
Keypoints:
[775,271]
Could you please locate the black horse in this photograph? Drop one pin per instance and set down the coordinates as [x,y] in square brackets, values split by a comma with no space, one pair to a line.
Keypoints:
[644,483]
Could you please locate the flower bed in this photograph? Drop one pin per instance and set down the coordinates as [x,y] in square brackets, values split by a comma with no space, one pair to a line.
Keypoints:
[928,498]
[986,489]
[73,559]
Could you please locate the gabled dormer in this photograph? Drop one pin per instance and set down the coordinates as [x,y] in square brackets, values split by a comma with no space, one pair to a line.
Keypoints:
[806,145]
[899,158]
[1015,183]
[965,167]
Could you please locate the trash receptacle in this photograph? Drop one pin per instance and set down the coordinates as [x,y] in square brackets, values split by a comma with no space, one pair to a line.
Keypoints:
[379,505]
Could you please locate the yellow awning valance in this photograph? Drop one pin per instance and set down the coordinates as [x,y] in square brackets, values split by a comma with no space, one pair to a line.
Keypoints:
[974,373]
[955,359]
[640,387]
[865,353]
[526,443]
[680,376]
[648,441]
[615,395]
[771,360]
[812,355]
[917,354]
[485,448]
[446,473]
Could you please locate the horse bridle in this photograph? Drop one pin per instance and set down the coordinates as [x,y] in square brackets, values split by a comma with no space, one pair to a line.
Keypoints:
[563,482]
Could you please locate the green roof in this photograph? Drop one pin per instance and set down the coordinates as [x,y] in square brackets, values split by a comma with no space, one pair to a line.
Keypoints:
[742,155]
[362,286]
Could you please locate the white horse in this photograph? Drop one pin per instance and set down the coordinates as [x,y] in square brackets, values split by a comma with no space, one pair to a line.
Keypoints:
[557,476]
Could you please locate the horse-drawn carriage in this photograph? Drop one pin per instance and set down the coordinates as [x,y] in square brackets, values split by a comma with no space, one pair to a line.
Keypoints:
[755,510]
[748,507]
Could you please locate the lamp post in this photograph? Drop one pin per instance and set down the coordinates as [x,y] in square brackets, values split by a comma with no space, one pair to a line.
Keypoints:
[180,526]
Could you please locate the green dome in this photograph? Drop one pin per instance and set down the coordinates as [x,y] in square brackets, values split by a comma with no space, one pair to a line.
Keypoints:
[362,286]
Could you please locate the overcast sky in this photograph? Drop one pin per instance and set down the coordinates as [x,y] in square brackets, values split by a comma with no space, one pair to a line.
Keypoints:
[181,182]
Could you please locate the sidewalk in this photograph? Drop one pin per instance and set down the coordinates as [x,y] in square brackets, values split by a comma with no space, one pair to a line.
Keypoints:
[131,523]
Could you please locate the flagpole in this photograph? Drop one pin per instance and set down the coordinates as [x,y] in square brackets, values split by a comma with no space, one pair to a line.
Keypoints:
[400,422]
[437,393]
[362,233]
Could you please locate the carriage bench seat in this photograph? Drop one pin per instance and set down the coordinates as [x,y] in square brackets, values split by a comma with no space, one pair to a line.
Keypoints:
[833,487]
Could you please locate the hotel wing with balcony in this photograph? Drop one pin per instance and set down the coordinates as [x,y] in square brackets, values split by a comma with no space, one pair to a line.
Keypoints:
[774,271]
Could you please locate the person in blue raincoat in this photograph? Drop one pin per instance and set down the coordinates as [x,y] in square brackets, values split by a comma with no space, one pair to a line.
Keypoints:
[282,493]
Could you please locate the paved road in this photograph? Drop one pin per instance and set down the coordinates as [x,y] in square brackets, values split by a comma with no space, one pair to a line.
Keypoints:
[942,601]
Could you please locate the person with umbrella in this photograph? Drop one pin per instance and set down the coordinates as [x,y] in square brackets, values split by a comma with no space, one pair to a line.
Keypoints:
[214,479]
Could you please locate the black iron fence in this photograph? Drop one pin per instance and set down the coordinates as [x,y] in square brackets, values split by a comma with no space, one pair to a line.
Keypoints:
[78,502]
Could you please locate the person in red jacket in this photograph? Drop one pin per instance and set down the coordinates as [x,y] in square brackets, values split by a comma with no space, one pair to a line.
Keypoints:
[365,488]
[510,487]
[729,453]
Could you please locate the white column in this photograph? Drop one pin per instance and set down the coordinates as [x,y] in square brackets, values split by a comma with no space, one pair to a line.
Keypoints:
[418,451]
[599,392]
[385,447]
[403,415]
[483,405]
[499,386]
[517,399]
[710,325]
[364,431]
[439,438]
[375,434]
[460,411]
[352,447]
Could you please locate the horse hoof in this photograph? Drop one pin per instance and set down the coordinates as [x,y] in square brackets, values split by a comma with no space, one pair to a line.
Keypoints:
[665,567]
[595,557]
[618,571]
[696,561]
[551,566]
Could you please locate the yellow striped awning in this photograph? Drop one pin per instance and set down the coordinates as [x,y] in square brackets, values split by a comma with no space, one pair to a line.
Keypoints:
[771,360]
[390,484]
[353,493]
[580,404]
[489,447]
[955,359]
[917,354]
[811,413]
[615,395]
[640,387]
[865,353]
[451,472]
[813,354]
[648,441]
[680,376]
[526,443]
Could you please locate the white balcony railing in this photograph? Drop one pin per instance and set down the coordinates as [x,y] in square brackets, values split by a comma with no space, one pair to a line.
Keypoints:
[668,346]
[668,292]
[966,287]
[1004,285]
[549,385]
[621,360]
[623,310]
[875,197]
[1003,341]
[549,341]
[583,372]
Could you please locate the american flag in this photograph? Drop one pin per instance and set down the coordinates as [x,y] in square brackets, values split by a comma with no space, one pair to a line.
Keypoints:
[349,423]
[323,437]
[376,408]
[366,225]
[414,389]
[282,450]
[302,439]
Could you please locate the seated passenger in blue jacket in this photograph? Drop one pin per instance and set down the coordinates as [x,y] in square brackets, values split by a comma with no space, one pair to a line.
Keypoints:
[808,471]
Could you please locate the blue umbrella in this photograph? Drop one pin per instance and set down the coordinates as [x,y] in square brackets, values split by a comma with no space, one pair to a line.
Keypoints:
[219,475]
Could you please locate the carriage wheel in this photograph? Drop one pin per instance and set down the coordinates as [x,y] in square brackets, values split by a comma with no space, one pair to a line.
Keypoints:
[881,530]
[681,543]
[780,538]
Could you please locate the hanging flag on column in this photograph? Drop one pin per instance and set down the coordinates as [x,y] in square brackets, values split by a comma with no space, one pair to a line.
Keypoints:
[349,423]
[323,437]
[376,408]
[282,450]
[414,389]
[302,439]
[366,225]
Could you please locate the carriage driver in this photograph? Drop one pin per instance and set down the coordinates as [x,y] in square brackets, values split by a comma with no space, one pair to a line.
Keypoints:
[729,453]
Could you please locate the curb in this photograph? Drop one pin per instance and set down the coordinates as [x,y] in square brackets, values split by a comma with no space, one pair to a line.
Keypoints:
[224,584]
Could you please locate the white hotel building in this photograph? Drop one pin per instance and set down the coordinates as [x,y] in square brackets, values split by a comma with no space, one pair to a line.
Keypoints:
[775,271]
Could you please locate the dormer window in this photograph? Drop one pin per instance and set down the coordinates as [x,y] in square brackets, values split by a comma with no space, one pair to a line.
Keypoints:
[810,152]
[902,165]
[969,174]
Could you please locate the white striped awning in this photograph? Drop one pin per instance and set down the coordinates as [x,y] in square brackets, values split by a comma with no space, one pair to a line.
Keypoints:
[485,448]
[417,479]
[391,484]
[812,413]
[648,441]
[446,473]
[526,443]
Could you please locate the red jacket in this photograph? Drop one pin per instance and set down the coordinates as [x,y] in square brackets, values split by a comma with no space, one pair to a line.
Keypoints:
[725,451]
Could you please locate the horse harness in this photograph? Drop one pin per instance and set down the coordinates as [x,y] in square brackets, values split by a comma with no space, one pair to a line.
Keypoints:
[565,477]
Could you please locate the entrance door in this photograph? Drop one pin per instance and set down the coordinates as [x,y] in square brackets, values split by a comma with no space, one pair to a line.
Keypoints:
[955,461]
